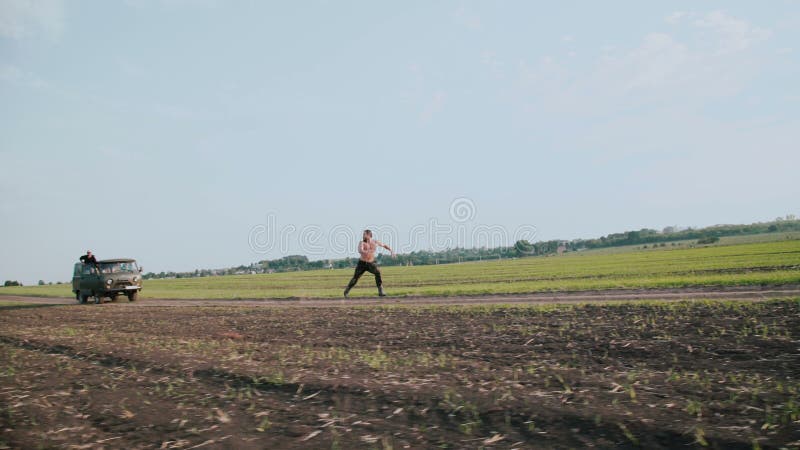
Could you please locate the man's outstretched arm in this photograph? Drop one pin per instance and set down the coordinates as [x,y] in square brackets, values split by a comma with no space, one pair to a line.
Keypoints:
[386,247]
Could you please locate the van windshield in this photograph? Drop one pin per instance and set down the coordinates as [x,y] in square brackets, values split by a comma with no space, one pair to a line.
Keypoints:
[118,267]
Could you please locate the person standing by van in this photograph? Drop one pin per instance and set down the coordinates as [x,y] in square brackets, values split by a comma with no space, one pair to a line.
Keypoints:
[89,258]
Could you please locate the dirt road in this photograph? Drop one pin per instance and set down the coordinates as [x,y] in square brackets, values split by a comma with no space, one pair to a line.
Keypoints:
[738,292]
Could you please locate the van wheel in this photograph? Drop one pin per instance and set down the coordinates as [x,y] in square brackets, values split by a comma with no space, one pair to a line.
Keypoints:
[78,296]
[133,296]
[84,299]
[97,299]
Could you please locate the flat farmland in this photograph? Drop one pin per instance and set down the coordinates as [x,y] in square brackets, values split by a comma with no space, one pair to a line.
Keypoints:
[699,374]
[686,348]
[763,263]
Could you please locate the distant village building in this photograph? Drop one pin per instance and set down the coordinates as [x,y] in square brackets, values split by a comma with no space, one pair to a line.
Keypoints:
[562,247]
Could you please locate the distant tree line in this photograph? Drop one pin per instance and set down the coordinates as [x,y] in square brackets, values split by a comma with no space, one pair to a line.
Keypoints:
[645,236]
[649,236]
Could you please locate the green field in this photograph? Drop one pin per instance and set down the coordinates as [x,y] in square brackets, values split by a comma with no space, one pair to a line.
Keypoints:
[723,265]
[761,238]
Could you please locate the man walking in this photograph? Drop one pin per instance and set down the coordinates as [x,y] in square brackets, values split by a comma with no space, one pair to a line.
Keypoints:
[366,262]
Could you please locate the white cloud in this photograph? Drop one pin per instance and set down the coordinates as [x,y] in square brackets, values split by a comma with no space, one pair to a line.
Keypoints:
[172,4]
[731,34]
[10,73]
[496,66]
[656,62]
[131,68]
[734,34]
[716,59]
[434,105]
[21,19]
[467,19]
[14,75]
[676,17]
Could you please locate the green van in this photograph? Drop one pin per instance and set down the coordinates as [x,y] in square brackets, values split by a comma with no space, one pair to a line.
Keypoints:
[109,278]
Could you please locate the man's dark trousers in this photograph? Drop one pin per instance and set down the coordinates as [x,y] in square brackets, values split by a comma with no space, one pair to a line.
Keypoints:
[362,267]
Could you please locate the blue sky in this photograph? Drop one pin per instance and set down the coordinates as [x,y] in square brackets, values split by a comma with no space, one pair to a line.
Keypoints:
[169,130]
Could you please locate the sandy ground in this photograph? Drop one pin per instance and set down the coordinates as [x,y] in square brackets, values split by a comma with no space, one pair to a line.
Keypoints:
[737,292]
